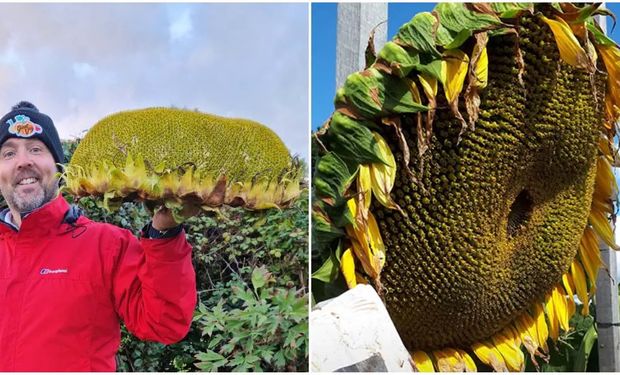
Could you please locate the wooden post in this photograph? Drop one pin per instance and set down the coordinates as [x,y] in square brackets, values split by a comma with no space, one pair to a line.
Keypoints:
[355,23]
[607,308]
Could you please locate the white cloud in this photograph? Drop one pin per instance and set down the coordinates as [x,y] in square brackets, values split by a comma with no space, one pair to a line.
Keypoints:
[181,26]
[83,70]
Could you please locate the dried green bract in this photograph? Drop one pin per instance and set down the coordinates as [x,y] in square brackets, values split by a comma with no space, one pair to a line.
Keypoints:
[177,157]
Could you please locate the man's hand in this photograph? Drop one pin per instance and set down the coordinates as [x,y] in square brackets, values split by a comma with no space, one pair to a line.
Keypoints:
[164,220]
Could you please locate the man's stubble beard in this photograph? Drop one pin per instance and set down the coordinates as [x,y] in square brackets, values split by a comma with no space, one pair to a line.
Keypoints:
[32,201]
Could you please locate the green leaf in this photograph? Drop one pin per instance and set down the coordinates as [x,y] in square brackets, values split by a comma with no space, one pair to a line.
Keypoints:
[374,94]
[352,140]
[328,271]
[583,354]
[599,37]
[418,34]
[511,10]
[457,23]
[260,276]
[209,356]
[398,59]
[332,178]
[433,68]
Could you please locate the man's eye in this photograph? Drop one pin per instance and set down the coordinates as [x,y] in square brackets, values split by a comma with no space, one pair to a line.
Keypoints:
[35,149]
[8,154]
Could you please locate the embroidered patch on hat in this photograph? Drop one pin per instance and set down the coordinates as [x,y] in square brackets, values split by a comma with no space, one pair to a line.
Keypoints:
[23,127]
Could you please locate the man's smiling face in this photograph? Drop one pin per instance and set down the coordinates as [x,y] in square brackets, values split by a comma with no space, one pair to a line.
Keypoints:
[27,174]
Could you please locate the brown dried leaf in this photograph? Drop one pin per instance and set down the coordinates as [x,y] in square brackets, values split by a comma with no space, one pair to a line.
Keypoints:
[471,96]
[216,198]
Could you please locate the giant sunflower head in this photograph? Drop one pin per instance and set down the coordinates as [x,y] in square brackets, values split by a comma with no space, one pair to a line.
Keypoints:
[466,175]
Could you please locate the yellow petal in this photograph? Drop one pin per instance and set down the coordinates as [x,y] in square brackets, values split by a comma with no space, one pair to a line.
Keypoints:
[429,85]
[364,185]
[456,70]
[482,69]
[560,306]
[449,360]
[568,45]
[413,88]
[470,365]
[590,257]
[541,326]
[382,176]
[581,285]
[605,182]
[363,240]
[489,355]
[602,227]
[347,266]
[505,343]
[526,328]
[554,327]
[611,58]
[422,362]
[376,243]
[570,300]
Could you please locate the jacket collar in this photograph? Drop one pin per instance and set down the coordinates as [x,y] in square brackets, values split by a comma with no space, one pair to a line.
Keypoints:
[42,220]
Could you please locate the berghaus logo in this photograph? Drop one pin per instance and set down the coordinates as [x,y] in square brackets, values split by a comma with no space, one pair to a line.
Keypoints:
[47,271]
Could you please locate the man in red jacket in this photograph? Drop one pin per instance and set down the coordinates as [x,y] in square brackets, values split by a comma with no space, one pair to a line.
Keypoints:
[66,282]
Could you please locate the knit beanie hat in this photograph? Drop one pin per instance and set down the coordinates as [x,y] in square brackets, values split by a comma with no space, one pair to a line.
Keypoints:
[25,121]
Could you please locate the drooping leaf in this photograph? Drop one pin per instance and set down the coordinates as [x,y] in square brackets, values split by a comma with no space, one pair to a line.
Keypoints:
[355,141]
[457,23]
[332,177]
[396,60]
[418,34]
[374,94]
[328,271]
[435,68]
[511,10]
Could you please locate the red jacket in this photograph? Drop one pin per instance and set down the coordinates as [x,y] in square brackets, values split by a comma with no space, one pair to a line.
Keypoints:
[63,292]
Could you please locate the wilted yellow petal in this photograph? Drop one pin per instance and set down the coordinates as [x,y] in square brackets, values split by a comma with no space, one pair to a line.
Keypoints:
[422,362]
[367,243]
[347,266]
[581,285]
[470,365]
[376,243]
[505,343]
[362,252]
[568,45]
[449,360]
[567,281]
[541,326]
[482,69]
[364,185]
[429,85]
[456,71]
[382,176]
[489,355]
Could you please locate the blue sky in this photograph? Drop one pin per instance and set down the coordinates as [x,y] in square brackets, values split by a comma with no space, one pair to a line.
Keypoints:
[324,48]
[81,62]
